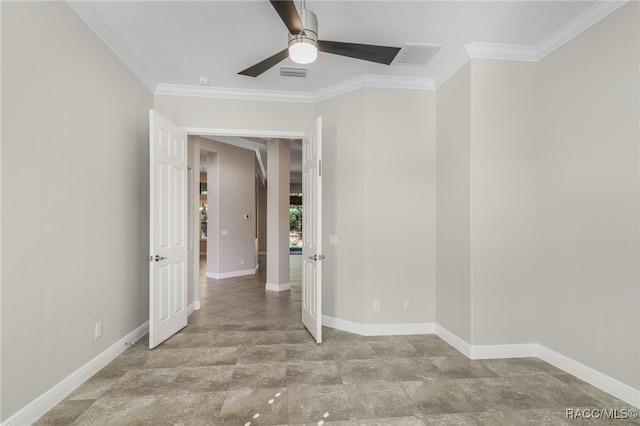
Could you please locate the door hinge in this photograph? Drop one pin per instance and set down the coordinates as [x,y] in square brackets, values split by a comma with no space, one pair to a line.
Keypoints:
[320,167]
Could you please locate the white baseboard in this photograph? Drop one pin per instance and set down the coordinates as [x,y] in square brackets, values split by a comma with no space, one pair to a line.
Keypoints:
[278,287]
[378,329]
[45,402]
[38,407]
[231,274]
[591,376]
[193,307]
[522,350]
[534,350]
[458,343]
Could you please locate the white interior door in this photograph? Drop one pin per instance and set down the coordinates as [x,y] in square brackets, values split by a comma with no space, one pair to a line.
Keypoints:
[312,230]
[168,233]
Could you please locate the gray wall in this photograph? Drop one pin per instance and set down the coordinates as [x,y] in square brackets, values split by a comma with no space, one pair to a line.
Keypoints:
[453,207]
[379,200]
[399,205]
[589,291]
[504,134]
[538,200]
[74,134]
[74,198]
[235,114]
[343,205]
[231,179]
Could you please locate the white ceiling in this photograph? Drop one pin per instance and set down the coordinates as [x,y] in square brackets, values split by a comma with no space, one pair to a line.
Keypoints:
[169,44]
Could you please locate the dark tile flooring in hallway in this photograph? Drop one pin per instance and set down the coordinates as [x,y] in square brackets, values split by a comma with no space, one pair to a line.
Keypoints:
[245,359]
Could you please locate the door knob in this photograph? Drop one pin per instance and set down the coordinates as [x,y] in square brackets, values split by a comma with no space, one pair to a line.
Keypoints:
[316,257]
[157,258]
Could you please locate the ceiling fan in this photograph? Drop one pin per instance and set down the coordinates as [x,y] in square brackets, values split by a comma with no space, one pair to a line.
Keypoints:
[304,44]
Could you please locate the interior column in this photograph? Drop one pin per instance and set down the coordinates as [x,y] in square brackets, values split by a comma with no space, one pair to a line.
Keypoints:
[278,157]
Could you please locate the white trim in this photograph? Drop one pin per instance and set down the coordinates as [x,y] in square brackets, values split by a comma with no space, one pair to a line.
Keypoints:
[522,350]
[451,68]
[378,329]
[478,50]
[269,134]
[595,378]
[597,12]
[572,29]
[195,306]
[278,287]
[507,52]
[344,325]
[45,402]
[232,93]
[591,376]
[591,16]
[360,82]
[231,274]
[86,12]
[458,343]
[374,81]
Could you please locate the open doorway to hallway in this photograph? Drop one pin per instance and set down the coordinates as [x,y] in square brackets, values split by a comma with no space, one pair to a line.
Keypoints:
[233,209]
[211,226]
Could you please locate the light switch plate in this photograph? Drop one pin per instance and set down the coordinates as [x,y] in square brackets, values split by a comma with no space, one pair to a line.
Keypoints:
[333,240]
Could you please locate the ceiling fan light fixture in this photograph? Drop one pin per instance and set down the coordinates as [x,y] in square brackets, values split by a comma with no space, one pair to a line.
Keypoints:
[303,47]
[302,50]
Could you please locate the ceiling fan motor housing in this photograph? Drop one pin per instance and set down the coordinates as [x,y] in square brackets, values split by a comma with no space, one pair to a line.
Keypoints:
[310,25]
[304,45]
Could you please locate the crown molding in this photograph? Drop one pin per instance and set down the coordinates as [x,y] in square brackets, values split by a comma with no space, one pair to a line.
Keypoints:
[452,67]
[86,12]
[572,29]
[229,93]
[476,50]
[374,81]
[509,52]
[579,24]
[364,81]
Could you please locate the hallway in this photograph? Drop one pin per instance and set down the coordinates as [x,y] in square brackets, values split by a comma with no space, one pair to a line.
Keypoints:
[246,359]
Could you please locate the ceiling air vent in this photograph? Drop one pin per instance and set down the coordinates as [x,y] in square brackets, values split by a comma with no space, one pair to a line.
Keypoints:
[416,54]
[293,72]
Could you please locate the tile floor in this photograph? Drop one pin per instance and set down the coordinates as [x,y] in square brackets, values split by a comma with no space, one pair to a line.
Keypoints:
[245,359]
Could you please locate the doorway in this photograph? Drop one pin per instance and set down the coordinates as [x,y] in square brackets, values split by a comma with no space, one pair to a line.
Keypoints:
[206,212]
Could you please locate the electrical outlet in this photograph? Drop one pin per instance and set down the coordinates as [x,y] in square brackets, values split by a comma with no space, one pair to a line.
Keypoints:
[97,330]
[405,305]
[376,305]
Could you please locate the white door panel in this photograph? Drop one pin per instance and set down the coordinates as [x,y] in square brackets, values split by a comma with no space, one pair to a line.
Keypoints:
[168,229]
[312,230]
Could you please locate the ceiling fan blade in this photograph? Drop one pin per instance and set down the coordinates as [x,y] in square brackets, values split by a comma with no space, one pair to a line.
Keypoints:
[261,67]
[289,15]
[366,52]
